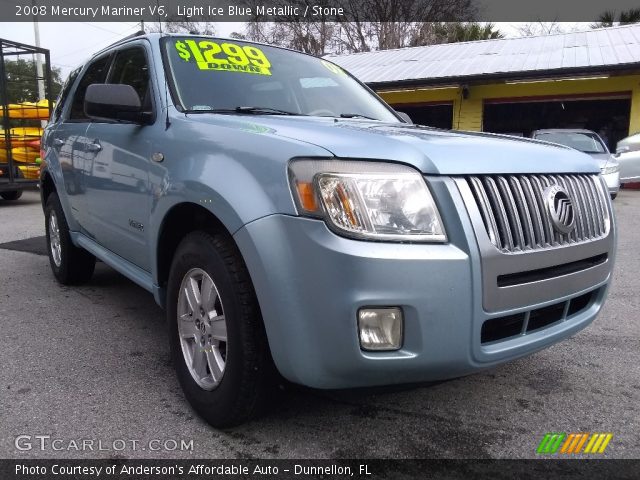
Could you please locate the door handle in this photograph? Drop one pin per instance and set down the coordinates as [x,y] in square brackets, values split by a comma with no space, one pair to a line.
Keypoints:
[57,143]
[94,146]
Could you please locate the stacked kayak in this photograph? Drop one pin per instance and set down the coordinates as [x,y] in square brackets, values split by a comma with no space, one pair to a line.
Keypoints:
[25,149]
[21,136]
[30,172]
[23,144]
[27,110]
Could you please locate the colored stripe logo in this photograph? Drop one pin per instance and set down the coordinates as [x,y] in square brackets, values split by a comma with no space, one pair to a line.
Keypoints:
[573,443]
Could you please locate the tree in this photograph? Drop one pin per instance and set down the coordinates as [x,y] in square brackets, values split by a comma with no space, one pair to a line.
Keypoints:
[536,29]
[177,24]
[372,25]
[22,84]
[450,32]
[609,18]
[630,16]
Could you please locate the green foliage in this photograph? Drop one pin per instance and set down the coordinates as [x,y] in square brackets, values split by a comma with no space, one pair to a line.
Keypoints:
[630,16]
[609,18]
[22,85]
[450,32]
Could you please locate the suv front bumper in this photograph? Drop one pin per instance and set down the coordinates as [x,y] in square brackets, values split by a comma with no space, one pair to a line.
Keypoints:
[311,283]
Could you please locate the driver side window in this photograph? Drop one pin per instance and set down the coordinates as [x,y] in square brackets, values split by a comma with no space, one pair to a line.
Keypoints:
[131,68]
[95,73]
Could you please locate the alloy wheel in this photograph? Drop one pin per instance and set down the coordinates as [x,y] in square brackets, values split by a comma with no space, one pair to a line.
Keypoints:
[202,328]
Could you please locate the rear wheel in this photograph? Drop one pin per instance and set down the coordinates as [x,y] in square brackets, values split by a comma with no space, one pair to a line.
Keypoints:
[12,195]
[70,264]
[217,338]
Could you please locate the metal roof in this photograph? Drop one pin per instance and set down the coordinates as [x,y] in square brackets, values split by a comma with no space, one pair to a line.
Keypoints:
[595,50]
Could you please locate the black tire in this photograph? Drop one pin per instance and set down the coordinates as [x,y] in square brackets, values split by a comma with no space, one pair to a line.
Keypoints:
[613,196]
[12,195]
[248,379]
[76,264]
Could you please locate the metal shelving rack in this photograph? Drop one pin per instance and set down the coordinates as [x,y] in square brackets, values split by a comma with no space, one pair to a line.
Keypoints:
[11,178]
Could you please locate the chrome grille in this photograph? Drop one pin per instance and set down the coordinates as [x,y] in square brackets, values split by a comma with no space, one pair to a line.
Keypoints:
[516,217]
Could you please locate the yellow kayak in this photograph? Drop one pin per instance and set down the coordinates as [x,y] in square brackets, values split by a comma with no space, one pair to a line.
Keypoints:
[21,136]
[30,172]
[28,110]
[20,154]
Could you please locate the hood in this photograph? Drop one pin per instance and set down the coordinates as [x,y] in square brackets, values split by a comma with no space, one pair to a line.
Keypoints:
[429,150]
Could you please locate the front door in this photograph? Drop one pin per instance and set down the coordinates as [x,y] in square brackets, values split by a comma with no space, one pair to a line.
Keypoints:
[118,179]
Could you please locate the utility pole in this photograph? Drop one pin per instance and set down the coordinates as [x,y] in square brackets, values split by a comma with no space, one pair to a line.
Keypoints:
[39,71]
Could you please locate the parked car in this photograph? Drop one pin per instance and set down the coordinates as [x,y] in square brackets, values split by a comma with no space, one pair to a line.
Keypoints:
[291,223]
[628,156]
[590,143]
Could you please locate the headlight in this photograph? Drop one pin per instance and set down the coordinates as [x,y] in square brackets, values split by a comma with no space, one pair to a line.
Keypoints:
[610,168]
[367,200]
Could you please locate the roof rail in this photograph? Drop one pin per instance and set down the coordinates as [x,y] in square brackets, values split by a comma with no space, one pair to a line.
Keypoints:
[128,37]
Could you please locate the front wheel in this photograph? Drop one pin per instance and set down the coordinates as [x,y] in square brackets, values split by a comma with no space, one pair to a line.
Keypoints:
[12,195]
[217,338]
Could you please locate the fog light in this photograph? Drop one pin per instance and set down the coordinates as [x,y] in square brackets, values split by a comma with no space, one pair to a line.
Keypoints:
[380,328]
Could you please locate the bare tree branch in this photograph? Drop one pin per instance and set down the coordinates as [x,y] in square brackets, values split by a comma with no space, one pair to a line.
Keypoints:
[373,25]
[185,25]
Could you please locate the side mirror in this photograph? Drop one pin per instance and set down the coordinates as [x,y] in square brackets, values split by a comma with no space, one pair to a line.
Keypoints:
[110,101]
[623,149]
[405,117]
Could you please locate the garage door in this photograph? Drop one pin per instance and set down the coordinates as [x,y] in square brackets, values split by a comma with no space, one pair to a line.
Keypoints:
[606,114]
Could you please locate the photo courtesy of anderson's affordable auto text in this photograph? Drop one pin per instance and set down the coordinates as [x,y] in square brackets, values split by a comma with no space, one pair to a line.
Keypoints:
[385,239]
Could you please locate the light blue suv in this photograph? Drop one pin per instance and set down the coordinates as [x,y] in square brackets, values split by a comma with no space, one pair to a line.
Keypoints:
[290,222]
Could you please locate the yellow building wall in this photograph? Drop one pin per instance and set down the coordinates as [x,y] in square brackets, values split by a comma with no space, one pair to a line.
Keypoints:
[467,113]
[634,124]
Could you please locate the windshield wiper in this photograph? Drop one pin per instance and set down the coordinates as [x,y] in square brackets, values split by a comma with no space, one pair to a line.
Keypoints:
[248,110]
[356,115]
[265,111]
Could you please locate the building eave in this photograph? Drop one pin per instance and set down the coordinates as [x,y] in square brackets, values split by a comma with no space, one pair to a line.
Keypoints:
[470,80]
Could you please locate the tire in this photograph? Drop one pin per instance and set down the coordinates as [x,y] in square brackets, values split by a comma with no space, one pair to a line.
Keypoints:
[12,195]
[235,390]
[613,196]
[70,265]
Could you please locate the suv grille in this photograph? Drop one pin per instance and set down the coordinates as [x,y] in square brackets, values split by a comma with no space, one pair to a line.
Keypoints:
[526,322]
[516,217]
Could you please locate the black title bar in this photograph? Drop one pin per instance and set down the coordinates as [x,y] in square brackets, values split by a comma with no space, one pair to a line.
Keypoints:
[309,10]
[310,469]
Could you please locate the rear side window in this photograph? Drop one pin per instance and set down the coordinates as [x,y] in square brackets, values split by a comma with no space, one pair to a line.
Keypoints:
[131,68]
[96,73]
[64,96]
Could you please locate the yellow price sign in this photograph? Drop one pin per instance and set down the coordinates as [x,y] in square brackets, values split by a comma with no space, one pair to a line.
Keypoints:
[230,57]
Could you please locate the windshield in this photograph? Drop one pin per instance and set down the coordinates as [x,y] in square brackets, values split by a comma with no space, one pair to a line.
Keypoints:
[583,141]
[211,74]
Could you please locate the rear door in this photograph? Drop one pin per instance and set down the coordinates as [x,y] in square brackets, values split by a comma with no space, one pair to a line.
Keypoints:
[118,159]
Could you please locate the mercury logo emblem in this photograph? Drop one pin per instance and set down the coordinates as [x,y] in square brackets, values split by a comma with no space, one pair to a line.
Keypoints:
[560,208]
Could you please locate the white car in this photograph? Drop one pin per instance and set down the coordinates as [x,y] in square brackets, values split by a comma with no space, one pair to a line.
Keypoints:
[589,142]
[628,156]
